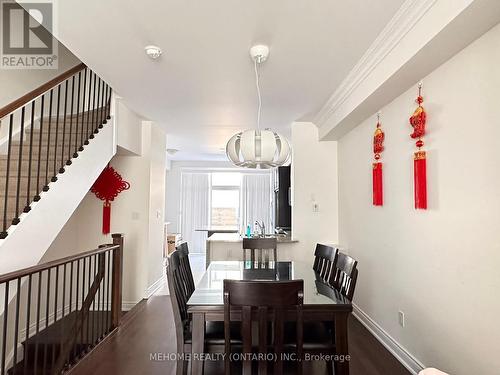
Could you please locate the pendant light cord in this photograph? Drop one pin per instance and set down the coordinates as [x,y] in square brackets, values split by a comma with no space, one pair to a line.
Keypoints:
[257,85]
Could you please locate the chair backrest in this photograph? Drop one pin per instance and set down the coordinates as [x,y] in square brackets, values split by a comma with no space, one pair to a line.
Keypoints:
[264,299]
[344,275]
[186,272]
[262,246]
[324,260]
[178,295]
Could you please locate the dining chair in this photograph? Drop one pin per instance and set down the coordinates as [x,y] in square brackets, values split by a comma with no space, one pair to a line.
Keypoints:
[324,259]
[186,272]
[262,246]
[344,275]
[263,300]
[336,275]
[179,295]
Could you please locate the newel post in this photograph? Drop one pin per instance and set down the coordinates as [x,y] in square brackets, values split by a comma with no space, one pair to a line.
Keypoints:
[116,304]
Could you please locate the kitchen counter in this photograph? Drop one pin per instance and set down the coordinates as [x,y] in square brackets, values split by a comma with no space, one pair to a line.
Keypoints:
[235,237]
[228,246]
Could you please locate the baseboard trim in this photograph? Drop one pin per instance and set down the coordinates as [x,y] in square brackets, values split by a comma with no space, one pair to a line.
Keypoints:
[128,305]
[399,352]
[154,287]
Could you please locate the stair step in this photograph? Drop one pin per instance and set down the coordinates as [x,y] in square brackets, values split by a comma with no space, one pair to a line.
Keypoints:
[52,152]
[25,157]
[79,117]
[45,137]
[69,129]
[25,169]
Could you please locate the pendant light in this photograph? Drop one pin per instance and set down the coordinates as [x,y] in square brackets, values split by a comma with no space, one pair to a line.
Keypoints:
[258,148]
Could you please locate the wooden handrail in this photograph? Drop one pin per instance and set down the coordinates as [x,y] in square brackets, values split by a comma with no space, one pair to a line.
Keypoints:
[42,267]
[25,99]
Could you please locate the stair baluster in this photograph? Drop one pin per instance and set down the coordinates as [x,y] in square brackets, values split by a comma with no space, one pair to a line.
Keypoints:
[98,103]
[75,154]
[61,169]
[36,198]
[69,162]
[102,118]
[87,135]
[94,118]
[7,175]
[54,177]
[49,129]
[27,207]
[4,333]
[84,91]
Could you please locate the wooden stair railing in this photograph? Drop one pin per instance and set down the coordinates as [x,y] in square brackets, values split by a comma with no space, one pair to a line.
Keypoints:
[58,311]
[40,134]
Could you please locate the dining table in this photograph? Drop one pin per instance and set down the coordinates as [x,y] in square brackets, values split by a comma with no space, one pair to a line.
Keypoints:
[321,302]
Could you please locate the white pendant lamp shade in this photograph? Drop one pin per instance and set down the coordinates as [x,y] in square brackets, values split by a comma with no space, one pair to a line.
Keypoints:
[258,148]
[261,149]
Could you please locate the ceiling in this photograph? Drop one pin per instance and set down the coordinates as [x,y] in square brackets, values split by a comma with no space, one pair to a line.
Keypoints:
[202,89]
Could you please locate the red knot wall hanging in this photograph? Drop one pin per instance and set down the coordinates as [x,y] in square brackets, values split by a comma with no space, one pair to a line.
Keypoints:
[378,147]
[107,187]
[418,121]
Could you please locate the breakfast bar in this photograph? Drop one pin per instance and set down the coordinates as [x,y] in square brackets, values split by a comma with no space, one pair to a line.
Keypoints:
[228,247]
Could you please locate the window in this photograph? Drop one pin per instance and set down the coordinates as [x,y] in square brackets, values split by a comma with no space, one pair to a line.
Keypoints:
[225,198]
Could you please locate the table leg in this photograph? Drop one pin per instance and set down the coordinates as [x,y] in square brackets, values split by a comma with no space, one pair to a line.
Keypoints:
[341,344]
[198,345]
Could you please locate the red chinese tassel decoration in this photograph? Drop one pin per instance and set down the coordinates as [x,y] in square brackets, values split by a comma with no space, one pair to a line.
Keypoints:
[107,187]
[378,147]
[417,121]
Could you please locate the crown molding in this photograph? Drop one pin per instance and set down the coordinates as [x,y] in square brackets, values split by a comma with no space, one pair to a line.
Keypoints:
[403,22]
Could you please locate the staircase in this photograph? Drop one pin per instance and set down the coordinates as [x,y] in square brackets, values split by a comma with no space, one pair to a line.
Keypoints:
[54,142]
[44,154]
[45,134]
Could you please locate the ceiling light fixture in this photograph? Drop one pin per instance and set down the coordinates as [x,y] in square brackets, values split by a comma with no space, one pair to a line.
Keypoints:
[258,148]
[153,52]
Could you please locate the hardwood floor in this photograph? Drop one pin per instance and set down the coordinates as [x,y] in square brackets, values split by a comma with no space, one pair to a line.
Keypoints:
[152,331]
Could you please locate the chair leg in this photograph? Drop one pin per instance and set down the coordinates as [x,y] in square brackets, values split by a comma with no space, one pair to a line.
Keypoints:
[181,367]
[330,365]
[182,363]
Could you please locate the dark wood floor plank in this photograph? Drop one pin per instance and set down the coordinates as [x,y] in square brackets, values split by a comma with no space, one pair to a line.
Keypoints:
[152,331]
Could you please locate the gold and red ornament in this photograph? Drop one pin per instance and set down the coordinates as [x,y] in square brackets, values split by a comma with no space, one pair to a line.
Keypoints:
[418,121]
[107,187]
[378,147]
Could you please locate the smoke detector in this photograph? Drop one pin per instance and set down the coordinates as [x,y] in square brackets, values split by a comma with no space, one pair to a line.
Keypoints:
[172,151]
[153,52]
[259,53]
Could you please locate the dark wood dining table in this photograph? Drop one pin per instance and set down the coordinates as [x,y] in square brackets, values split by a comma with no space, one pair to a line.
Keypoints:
[321,302]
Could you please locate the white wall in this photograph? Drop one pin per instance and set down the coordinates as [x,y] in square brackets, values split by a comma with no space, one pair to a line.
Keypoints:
[314,180]
[138,213]
[439,266]
[157,157]
[15,83]
[128,134]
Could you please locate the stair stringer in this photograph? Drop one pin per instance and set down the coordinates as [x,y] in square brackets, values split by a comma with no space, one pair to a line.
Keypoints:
[28,241]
